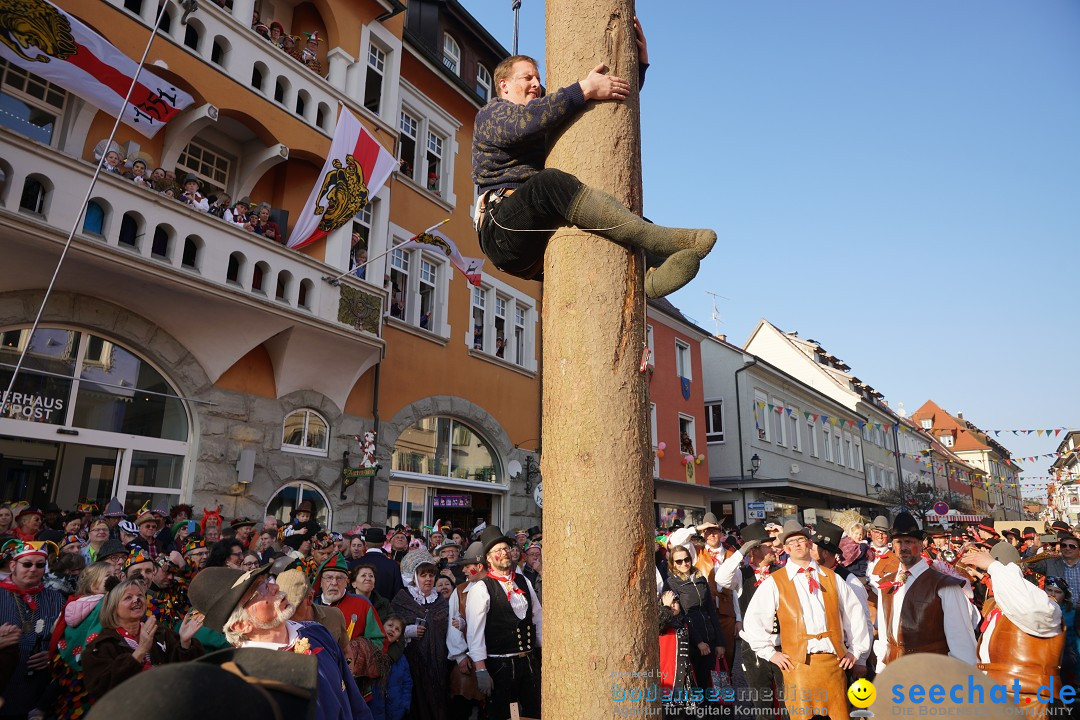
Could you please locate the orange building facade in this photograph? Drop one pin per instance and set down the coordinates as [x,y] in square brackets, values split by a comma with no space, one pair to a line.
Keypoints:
[185,359]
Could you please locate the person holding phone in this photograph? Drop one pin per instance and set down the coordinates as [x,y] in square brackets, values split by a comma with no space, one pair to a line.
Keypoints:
[426,614]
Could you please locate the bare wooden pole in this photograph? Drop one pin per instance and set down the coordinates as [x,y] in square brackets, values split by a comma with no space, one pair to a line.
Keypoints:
[599,584]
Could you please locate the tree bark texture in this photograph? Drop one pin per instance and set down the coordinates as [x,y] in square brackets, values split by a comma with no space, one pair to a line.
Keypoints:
[600,618]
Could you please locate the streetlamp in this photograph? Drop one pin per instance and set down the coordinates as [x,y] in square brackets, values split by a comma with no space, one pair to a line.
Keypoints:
[755,465]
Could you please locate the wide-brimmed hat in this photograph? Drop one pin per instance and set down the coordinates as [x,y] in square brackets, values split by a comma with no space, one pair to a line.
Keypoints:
[880,523]
[936,531]
[448,544]
[1005,553]
[474,554]
[1059,525]
[111,547]
[827,536]
[237,683]
[792,528]
[926,669]
[492,536]
[707,522]
[216,591]
[905,526]
[987,524]
[755,531]
[375,536]
[1029,532]
[306,506]
[30,511]
[414,559]
[242,522]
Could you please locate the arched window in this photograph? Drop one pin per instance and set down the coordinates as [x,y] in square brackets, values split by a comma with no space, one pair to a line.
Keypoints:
[305,431]
[94,219]
[236,261]
[483,82]
[287,499]
[446,447]
[451,54]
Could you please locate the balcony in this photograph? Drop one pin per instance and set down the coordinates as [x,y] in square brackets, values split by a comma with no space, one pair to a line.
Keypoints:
[220,291]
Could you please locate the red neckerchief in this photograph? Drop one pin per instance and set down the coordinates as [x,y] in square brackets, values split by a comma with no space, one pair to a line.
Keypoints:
[509,581]
[994,614]
[879,554]
[760,576]
[808,571]
[26,595]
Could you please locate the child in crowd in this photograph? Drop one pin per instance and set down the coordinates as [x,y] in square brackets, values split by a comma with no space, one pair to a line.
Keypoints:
[191,195]
[391,699]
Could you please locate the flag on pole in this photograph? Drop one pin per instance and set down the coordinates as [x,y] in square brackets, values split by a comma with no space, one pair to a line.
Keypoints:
[469,267]
[50,43]
[356,168]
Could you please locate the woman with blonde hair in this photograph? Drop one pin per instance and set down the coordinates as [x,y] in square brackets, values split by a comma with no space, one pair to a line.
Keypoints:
[7,518]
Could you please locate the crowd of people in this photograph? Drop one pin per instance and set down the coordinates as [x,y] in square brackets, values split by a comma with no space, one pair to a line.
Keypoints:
[435,622]
[244,214]
[785,618]
[303,48]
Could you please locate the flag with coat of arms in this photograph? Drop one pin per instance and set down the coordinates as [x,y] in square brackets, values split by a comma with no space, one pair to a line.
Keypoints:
[43,39]
[356,168]
[431,239]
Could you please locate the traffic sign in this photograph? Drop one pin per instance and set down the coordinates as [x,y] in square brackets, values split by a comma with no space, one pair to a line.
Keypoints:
[755,506]
[756,514]
[941,508]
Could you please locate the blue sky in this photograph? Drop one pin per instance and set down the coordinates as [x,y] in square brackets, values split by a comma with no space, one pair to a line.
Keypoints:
[897,179]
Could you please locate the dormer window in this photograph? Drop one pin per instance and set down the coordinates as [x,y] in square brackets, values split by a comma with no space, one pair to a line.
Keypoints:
[927,423]
[451,54]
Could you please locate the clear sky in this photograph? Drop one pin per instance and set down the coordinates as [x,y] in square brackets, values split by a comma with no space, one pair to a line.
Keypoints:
[897,179]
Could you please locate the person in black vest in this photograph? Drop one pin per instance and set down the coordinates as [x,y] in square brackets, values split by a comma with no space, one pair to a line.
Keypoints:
[387,573]
[502,620]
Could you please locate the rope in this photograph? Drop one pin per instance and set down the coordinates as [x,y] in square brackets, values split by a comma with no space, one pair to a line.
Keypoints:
[523,230]
[86,199]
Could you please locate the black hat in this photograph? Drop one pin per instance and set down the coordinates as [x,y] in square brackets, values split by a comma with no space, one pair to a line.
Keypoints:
[239,684]
[904,525]
[1029,532]
[1011,531]
[111,547]
[755,531]
[792,528]
[216,591]
[827,536]
[987,524]
[1059,525]
[375,536]
[492,536]
[52,507]
[534,531]
[936,531]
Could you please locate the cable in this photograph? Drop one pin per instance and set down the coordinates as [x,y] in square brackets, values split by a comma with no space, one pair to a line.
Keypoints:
[592,230]
[78,218]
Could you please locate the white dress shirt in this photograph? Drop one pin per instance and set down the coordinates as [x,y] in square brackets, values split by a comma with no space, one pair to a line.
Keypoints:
[959,631]
[758,622]
[872,560]
[728,577]
[457,646]
[477,605]
[864,599]
[1028,607]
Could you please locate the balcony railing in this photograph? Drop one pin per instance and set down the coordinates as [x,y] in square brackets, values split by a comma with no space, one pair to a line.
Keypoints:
[223,38]
[45,185]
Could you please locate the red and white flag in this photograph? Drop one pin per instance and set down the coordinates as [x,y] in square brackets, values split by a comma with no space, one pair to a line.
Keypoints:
[61,49]
[356,168]
[471,268]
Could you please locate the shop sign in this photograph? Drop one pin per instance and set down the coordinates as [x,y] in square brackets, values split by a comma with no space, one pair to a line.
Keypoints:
[36,408]
[452,501]
[538,495]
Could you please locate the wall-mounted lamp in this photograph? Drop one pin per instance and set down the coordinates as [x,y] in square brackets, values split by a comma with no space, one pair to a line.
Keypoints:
[755,465]
[245,466]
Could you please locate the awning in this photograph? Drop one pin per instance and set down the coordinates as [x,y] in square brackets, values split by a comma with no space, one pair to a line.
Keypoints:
[953,517]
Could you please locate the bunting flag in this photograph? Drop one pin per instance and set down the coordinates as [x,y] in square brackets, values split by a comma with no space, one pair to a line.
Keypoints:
[58,47]
[471,268]
[356,168]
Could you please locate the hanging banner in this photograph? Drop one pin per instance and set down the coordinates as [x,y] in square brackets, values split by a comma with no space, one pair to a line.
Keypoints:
[356,168]
[46,41]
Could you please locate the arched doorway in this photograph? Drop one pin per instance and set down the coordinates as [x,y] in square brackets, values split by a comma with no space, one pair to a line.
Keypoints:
[88,419]
[443,469]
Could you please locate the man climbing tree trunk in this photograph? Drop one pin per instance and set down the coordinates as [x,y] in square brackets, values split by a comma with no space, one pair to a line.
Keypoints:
[600,616]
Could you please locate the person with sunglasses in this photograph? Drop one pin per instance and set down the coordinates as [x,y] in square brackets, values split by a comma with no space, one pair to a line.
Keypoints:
[1066,565]
[252,611]
[702,619]
[28,611]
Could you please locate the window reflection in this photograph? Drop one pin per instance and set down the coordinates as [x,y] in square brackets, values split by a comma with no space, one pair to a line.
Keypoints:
[445,447]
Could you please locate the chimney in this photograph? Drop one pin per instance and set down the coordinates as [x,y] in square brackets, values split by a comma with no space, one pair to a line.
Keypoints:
[960,416]
[722,338]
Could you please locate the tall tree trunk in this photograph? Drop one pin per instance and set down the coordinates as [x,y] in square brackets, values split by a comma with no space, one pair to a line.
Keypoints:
[600,615]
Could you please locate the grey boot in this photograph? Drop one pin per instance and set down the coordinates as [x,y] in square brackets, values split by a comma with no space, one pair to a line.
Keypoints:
[672,274]
[601,213]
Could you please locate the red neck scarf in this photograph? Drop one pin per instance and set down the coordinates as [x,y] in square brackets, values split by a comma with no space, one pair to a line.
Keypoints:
[133,643]
[509,583]
[26,595]
[814,584]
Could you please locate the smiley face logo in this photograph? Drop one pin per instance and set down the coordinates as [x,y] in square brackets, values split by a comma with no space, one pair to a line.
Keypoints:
[862,693]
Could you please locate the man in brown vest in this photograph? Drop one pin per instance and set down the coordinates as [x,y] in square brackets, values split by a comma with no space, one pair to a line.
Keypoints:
[1022,635]
[714,555]
[921,610]
[822,629]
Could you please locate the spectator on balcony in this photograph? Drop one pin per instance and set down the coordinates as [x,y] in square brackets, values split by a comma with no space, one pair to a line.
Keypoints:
[240,212]
[221,207]
[138,173]
[310,54]
[191,195]
[359,256]
[257,220]
[263,31]
[255,20]
[112,163]
[272,232]
[277,33]
[288,45]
